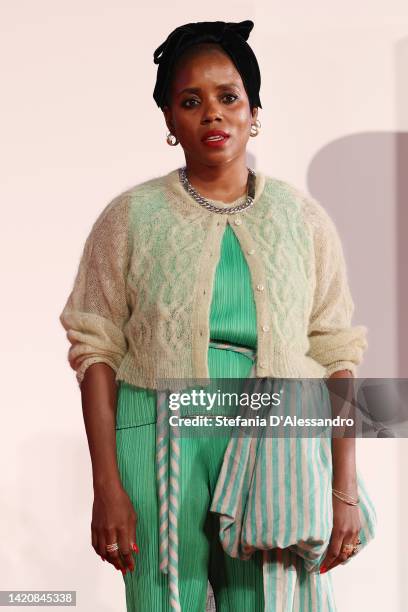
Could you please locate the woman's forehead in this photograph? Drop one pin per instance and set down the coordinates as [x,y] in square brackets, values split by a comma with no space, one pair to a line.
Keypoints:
[206,70]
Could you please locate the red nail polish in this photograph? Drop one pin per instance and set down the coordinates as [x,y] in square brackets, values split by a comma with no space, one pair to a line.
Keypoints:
[323,569]
[135,547]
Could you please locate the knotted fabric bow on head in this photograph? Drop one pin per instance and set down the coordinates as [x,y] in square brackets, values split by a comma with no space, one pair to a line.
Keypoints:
[230,36]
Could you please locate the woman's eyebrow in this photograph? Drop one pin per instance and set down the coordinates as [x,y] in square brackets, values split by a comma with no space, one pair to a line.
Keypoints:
[198,89]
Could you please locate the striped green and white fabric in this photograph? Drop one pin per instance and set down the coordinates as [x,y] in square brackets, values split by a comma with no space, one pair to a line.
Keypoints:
[276,491]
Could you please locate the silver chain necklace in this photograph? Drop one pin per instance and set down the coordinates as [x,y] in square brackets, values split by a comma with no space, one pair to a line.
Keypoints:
[203,202]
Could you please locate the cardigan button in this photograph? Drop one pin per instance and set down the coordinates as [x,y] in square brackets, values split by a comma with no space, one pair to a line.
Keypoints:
[262,364]
[265,328]
[251,251]
[260,287]
[237,221]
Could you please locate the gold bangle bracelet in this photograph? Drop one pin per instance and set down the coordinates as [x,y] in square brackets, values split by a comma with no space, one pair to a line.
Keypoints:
[351,503]
[344,494]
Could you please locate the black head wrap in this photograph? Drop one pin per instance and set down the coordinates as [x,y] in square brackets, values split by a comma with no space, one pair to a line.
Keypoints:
[232,38]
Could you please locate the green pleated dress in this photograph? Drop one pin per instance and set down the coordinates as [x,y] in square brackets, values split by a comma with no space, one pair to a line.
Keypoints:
[237,584]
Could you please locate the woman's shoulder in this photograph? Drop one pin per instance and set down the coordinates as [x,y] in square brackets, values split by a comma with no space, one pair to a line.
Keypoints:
[290,194]
[288,190]
[118,207]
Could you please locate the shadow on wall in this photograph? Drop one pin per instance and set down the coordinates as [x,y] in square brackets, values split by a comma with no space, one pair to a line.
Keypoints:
[360,180]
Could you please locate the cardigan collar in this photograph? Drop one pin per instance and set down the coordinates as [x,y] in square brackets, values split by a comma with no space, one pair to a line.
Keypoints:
[188,206]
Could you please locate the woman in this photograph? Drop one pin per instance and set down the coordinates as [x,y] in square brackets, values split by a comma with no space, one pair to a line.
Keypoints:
[209,271]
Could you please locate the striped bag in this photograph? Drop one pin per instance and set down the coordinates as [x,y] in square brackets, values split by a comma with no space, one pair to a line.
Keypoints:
[276,492]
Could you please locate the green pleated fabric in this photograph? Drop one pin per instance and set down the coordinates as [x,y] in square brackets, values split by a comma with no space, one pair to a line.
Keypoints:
[233,310]
[237,584]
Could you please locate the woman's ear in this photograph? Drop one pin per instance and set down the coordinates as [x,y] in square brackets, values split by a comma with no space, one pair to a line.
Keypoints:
[254,113]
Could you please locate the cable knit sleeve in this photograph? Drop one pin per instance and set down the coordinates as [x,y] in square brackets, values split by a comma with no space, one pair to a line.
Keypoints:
[97,310]
[334,342]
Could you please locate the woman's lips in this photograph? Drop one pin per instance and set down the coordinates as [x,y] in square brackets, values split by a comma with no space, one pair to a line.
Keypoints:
[218,141]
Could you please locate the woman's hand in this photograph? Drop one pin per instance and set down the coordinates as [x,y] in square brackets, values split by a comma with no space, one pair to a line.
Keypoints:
[346,529]
[114,520]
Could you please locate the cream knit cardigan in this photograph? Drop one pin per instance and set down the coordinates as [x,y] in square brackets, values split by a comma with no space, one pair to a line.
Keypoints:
[141,298]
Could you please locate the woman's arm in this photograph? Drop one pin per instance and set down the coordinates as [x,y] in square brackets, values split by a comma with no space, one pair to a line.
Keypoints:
[346,518]
[94,318]
[113,516]
[334,341]
[338,345]
[344,456]
[99,397]
[97,310]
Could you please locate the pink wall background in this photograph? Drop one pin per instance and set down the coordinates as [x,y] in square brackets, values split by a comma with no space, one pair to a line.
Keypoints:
[79,125]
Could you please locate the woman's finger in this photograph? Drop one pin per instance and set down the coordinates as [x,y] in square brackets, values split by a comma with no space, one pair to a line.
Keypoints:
[102,546]
[98,543]
[113,556]
[125,549]
[345,550]
[332,551]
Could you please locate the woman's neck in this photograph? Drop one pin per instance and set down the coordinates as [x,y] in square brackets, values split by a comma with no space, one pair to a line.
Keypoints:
[224,183]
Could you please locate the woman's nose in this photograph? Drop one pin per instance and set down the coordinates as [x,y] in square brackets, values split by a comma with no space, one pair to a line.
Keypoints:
[210,113]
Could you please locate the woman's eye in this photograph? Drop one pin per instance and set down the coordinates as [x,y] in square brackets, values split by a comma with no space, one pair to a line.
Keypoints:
[187,103]
[189,100]
[231,96]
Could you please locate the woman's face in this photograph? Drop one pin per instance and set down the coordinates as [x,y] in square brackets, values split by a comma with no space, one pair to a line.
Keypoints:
[207,93]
